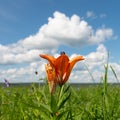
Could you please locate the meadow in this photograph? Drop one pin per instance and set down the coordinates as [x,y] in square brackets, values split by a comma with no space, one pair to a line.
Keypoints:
[69,103]
[34,102]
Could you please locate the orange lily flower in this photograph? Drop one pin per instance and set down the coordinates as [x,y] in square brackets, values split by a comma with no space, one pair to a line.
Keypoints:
[62,67]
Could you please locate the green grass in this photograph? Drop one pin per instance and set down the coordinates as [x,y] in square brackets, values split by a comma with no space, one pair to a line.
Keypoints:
[69,103]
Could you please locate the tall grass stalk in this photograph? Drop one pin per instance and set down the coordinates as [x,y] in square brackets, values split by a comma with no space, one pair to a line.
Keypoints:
[105,91]
[105,94]
[93,80]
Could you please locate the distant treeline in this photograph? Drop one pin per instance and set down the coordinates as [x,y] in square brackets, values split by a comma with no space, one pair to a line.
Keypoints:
[73,84]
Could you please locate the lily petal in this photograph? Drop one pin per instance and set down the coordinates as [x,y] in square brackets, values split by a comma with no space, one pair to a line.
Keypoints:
[61,64]
[74,60]
[71,64]
[50,58]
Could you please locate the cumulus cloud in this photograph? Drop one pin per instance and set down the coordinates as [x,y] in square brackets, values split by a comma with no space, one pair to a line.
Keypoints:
[23,73]
[97,58]
[60,30]
[100,36]
[73,31]
[39,41]
[11,58]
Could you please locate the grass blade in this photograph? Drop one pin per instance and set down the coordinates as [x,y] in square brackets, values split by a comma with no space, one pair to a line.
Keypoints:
[114,74]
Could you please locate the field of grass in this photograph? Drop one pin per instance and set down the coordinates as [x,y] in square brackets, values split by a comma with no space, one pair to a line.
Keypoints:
[32,102]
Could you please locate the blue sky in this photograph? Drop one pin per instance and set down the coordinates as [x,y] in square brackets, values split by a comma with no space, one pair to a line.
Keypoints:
[28,28]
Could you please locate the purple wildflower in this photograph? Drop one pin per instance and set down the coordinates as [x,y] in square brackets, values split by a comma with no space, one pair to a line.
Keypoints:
[6,83]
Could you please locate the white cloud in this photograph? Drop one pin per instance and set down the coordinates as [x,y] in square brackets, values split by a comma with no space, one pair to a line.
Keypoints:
[4,49]
[73,31]
[39,41]
[90,14]
[11,58]
[98,57]
[60,30]
[23,73]
[101,35]
[94,63]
